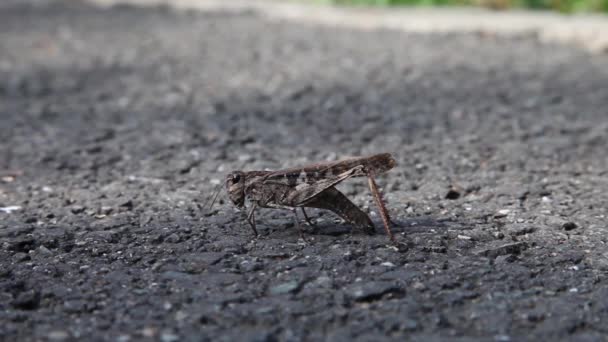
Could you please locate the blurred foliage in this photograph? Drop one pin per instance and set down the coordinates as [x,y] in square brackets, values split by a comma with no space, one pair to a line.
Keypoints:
[565,6]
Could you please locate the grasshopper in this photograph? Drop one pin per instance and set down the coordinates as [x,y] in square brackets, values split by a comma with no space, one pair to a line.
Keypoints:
[311,186]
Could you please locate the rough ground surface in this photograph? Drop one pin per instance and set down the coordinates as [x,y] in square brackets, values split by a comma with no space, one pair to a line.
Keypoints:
[115,125]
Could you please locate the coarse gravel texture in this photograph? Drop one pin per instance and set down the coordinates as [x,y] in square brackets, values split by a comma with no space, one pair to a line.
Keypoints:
[117,124]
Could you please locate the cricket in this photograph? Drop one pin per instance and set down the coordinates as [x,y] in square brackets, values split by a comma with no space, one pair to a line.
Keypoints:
[311,186]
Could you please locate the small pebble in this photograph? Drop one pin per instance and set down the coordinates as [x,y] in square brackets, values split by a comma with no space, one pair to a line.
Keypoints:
[8,179]
[245,158]
[148,331]
[502,213]
[77,209]
[10,209]
[285,288]
[44,250]
[123,338]
[105,210]
[169,337]
[173,238]
[58,335]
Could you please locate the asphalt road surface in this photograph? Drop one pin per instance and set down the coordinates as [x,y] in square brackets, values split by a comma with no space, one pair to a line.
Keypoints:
[117,124]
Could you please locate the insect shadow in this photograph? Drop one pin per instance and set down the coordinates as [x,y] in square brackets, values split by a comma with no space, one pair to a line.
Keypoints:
[336,227]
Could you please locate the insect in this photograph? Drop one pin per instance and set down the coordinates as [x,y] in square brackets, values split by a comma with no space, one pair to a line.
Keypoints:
[311,186]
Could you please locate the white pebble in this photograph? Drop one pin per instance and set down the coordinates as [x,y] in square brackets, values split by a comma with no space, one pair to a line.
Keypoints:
[10,209]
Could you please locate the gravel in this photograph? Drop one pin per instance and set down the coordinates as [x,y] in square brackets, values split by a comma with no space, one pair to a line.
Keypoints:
[117,124]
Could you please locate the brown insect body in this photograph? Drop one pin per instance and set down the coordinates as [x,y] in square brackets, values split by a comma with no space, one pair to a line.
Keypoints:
[311,186]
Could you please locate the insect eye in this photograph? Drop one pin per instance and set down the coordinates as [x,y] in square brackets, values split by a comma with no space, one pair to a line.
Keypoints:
[236,178]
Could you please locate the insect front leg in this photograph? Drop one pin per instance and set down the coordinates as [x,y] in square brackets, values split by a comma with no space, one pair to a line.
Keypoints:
[290,208]
[300,231]
[312,224]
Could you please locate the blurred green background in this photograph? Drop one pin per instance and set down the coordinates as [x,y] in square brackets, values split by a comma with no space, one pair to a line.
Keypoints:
[565,6]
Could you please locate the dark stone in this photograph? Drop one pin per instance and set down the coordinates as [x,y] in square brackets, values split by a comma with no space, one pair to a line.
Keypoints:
[28,300]
[568,226]
[75,306]
[77,209]
[505,258]
[288,287]
[15,231]
[128,205]
[23,244]
[452,194]
[21,257]
[373,291]
[5,272]
[173,238]
[511,248]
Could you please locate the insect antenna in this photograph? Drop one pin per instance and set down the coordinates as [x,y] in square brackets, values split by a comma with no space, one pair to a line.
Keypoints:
[214,195]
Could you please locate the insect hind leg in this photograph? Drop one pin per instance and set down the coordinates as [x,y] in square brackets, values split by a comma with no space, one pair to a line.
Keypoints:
[380,204]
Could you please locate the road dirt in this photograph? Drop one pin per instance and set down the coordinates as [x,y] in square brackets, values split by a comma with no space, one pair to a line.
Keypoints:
[116,125]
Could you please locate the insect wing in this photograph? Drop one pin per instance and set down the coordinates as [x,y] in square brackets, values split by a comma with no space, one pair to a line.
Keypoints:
[314,172]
